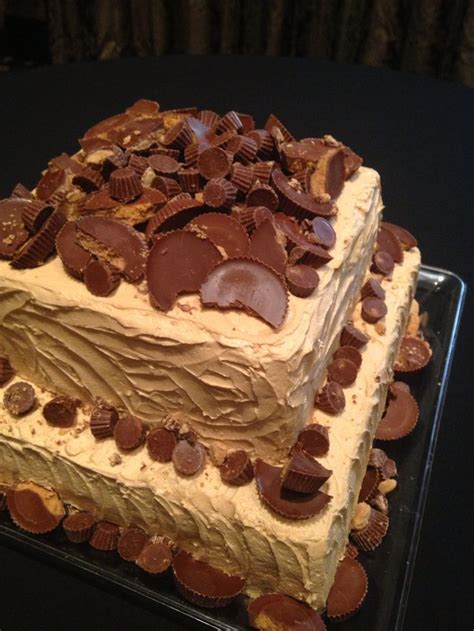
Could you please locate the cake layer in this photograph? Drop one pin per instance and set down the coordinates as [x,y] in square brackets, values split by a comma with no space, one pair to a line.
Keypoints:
[238,382]
[228,525]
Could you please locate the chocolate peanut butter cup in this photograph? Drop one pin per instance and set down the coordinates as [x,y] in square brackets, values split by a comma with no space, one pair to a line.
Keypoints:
[178,136]
[237,468]
[139,164]
[230,122]
[314,439]
[297,203]
[323,233]
[6,371]
[262,171]
[400,418]
[21,192]
[101,278]
[302,280]
[160,443]
[249,285]
[372,288]
[190,180]
[303,154]
[262,195]
[188,458]
[89,180]
[343,371]
[351,353]
[331,398]
[204,585]
[289,504]
[373,309]
[50,182]
[129,433]
[348,590]
[224,231]
[413,354]
[34,508]
[13,233]
[219,193]
[267,245]
[352,162]
[248,122]
[329,174]
[369,485]
[371,535]
[103,420]
[303,474]
[277,611]
[155,557]
[179,262]
[352,336]
[79,526]
[264,142]
[406,239]
[176,213]
[242,177]
[387,241]
[34,215]
[37,249]
[214,163]
[209,118]
[382,263]
[163,164]
[105,536]
[244,148]
[377,458]
[167,186]
[125,184]
[352,551]
[272,122]
[19,398]
[131,543]
[60,411]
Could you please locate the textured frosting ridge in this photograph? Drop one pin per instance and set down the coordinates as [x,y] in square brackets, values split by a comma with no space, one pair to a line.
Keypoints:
[205,516]
[235,380]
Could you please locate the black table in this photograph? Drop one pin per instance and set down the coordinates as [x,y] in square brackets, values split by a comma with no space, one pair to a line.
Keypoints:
[416,132]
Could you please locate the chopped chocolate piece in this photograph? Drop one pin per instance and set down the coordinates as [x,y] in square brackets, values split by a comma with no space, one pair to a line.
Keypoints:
[219,193]
[60,411]
[342,371]
[400,417]
[178,263]
[272,122]
[131,543]
[125,184]
[106,536]
[348,590]
[13,233]
[329,175]
[202,584]
[230,122]
[167,186]
[50,182]
[302,280]
[262,195]
[143,107]
[101,278]
[174,215]
[129,433]
[242,177]
[6,371]
[178,136]
[188,458]
[118,244]
[276,611]
[304,474]
[370,536]
[331,398]
[155,557]
[103,421]
[351,353]
[19,398]
[225,232]
[287,503]
[413,354]
[369,485]
[314,439]
[108,124]
[382,263]
[34,215]
[373,288]
[351,336]
[373,309]
[88,180]
[387,241]
[79,527]
[237,468]
[75,259]
[249,285]
[34,508]
[264,142]
[407,240]
[323,233]
[35,251]
[163,164]
[267,246]
[21,192]
[160,443]
[243,148]
[297,203]
[190,180]
[213,163]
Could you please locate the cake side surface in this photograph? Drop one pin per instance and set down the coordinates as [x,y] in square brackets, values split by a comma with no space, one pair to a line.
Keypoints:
[228,525]
[237,382]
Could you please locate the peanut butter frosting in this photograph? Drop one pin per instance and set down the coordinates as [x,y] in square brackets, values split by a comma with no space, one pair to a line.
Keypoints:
[228,525]
[239,383]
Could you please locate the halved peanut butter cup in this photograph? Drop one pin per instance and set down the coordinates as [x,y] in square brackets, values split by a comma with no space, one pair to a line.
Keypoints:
[348,590]
[34,508]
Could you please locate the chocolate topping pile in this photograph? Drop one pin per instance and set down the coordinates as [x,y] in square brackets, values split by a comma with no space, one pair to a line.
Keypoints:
[122,206]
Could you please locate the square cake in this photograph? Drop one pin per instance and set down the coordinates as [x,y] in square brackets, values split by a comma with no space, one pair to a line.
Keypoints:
[199,321]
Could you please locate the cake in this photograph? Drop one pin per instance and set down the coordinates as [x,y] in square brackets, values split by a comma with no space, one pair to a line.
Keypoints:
[198,326]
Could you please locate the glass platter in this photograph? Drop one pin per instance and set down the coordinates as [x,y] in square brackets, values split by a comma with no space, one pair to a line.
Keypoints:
[390,567]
